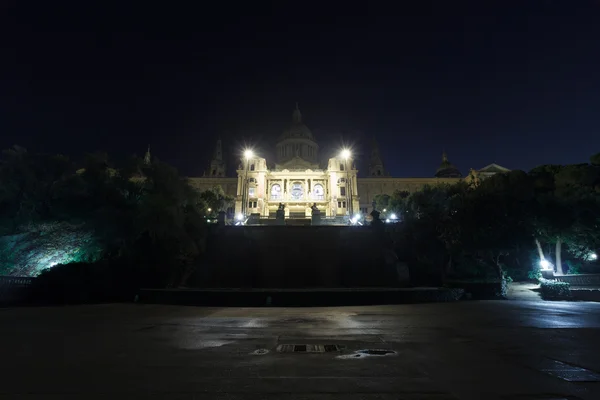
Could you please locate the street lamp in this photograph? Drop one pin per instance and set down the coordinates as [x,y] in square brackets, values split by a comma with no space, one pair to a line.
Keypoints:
[346,154]
[248,154]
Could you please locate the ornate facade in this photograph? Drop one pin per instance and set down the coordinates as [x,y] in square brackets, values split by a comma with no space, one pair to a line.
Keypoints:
[298,180]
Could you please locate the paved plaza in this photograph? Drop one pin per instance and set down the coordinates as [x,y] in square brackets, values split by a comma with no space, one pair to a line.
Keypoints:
[513,349]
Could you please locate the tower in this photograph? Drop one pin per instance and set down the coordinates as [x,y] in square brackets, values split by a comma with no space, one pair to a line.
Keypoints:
[217,165]
[376,167]
[147,157]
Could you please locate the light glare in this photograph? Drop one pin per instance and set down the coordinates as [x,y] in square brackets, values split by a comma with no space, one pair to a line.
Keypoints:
[248,154]
[346,154]
[544,264]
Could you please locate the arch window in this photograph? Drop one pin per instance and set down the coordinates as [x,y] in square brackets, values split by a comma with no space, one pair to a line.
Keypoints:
[297,192]
[276,192]
[319,192]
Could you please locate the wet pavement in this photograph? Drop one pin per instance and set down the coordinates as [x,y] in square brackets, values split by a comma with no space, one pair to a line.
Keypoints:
[519,349]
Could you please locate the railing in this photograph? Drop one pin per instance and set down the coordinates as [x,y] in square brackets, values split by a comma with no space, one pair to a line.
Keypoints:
[14,288]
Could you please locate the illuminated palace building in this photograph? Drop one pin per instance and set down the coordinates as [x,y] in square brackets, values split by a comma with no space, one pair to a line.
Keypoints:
[298,180]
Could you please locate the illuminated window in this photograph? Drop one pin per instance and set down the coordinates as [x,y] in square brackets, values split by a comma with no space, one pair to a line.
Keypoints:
[252,192]
[319,192]
[297,192]
[276,192]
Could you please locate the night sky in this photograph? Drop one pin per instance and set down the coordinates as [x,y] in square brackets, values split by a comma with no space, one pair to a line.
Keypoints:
[516,83]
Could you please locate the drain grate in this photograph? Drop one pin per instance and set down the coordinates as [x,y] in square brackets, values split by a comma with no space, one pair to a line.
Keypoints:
[308,348]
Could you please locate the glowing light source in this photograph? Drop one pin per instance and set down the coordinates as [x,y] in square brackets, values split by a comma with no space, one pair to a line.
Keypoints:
[393,216]
[385,209]
[387,220]
[209,209]
[239,217]
[248,154]
[346,154]
[593,256]
[544,264]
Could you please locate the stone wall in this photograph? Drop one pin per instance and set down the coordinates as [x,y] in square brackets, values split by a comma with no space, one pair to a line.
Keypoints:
[580,280]
[229,185]
[368,188]
[294,257]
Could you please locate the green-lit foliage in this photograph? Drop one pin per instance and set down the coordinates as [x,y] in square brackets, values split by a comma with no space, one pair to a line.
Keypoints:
[141,214]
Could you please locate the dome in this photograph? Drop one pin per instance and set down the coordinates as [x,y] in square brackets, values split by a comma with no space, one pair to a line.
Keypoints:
[297,129]
[297,141]
[447,169]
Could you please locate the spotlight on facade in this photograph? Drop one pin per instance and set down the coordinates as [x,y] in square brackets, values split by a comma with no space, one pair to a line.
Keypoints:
[248,154]
[544,264]
[346,154]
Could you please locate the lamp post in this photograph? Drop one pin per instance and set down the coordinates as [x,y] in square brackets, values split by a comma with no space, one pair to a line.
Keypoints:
[247,155]
[346,155]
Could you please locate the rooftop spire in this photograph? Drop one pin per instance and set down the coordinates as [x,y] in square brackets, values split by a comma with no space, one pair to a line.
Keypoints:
[296,116]
[147,157]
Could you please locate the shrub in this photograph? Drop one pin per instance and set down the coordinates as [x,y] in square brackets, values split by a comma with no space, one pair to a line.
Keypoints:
[554,290]
[535,274]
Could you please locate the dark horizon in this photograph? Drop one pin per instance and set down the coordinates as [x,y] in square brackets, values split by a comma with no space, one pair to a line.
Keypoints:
[487,83]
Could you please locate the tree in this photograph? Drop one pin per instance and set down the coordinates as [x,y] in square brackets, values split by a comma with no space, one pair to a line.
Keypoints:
[216,199]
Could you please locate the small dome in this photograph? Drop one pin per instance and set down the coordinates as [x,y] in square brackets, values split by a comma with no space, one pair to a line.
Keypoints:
[447,169]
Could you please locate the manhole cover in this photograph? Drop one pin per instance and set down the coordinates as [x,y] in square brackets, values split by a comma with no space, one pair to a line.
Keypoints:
[308,348]
[367,353]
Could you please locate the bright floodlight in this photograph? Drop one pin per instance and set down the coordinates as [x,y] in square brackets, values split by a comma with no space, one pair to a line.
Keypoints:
[346,154]
[387,220]
[248,154]
[385,209]
[593,256]
[209,209]
[240,217]
[544,264]
[393,216]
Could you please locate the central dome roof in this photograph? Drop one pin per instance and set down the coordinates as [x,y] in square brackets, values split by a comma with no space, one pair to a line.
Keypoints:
[297,129]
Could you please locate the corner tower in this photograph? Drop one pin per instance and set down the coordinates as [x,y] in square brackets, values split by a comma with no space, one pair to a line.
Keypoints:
[217,165]
[376,167]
